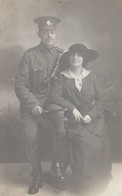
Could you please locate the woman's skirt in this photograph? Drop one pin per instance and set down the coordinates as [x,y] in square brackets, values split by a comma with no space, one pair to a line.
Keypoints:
[90,158]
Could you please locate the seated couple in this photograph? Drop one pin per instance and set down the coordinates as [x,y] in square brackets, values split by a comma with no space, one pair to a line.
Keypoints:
[82,141]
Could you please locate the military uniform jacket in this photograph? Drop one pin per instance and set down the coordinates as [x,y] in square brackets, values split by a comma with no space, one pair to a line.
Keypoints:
[88,101]
[36,65]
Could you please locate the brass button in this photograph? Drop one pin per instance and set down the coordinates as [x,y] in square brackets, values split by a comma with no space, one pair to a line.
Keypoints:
[50,65]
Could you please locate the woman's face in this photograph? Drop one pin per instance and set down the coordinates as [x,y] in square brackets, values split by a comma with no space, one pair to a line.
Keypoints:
[76,60]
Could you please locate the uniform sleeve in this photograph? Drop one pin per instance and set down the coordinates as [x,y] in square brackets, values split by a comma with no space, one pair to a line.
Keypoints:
[99,104]
[22,85]
[57,94]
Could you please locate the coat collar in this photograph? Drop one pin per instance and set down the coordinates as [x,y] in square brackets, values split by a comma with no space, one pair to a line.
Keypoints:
[69,74]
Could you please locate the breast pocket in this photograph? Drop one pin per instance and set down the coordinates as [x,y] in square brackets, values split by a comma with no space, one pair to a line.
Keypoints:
[37,76]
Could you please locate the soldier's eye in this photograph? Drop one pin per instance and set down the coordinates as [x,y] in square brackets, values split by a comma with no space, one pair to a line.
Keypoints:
[44,31]
[79,55]
[52,32]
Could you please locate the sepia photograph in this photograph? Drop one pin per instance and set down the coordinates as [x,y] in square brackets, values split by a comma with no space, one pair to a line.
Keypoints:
[61,97]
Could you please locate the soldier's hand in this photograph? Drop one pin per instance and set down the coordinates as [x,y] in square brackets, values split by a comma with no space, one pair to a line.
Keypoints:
[77,115]
[87,119]
[37,110]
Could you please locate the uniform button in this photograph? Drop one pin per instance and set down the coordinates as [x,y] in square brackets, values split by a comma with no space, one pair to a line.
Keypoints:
[50,65]
[49,54]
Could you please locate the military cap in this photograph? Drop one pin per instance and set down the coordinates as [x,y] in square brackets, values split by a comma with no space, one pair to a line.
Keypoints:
[46,21]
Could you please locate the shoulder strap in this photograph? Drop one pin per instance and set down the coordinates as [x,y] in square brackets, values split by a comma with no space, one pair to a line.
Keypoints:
[60,50]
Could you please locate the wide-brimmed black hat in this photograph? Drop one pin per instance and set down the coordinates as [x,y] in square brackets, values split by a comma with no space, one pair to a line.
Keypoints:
[87,54]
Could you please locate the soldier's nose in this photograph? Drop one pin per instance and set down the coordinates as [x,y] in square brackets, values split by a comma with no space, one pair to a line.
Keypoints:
[49,34]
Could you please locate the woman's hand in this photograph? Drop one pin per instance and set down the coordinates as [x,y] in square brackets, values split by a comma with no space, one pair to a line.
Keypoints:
[87,119]
[37,110]
[77,115]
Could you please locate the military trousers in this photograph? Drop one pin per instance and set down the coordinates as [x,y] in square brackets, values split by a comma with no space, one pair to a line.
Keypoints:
[41,136]
[60,142]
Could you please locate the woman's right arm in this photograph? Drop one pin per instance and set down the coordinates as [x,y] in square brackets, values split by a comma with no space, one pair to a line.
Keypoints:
[57,97]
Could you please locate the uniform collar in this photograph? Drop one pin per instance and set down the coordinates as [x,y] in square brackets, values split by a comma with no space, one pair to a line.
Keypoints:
[44,49]
[69,74]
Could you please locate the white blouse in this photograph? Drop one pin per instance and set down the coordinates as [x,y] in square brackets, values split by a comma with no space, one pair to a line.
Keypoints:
[78,79]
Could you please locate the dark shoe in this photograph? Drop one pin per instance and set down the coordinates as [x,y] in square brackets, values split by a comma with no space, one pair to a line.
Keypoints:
[58,171]
[35,186]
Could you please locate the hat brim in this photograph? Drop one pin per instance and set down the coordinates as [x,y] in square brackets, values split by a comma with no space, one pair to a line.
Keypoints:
[48,27]
[64,62]
[88,55]
[91,55]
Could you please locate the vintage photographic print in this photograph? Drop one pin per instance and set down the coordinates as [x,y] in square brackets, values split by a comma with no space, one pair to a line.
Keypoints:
[60,97]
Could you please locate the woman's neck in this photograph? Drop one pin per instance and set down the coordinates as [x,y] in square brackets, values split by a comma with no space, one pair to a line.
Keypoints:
[76,70]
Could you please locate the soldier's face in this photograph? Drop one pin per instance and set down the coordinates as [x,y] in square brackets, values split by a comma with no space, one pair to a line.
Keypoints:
[48,37]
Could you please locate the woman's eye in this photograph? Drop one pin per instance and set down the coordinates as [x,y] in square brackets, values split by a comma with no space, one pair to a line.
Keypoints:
[78,54]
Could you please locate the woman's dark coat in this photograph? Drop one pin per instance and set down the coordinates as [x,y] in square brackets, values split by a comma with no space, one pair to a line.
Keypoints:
[88,143]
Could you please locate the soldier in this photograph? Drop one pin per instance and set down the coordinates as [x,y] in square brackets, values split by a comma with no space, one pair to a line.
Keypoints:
[32,86]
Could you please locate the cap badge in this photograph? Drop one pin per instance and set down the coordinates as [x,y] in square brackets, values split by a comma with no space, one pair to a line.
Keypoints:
[49,23]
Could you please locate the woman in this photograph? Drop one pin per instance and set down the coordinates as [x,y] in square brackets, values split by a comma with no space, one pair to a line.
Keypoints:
[77,89]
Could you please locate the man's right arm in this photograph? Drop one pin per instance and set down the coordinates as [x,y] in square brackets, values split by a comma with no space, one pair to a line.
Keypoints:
[57,95]
[22,85]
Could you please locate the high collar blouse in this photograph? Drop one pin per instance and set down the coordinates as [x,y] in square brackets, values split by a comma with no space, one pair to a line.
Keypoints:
[78,78]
